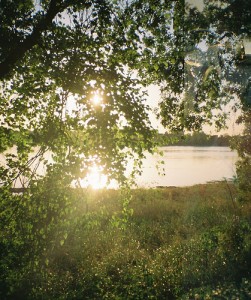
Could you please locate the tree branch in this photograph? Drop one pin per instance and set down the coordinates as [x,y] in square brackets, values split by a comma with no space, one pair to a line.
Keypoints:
[16,54]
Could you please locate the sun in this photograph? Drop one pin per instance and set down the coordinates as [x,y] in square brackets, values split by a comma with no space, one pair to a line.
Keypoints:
[95,179]
[96,99]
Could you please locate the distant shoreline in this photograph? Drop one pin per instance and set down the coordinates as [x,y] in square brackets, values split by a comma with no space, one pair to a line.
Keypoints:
[196,139]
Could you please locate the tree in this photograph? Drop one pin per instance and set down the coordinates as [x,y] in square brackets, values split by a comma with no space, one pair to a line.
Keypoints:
[60,53]
[57,59]
[215,76]
[63,53]
[216,68]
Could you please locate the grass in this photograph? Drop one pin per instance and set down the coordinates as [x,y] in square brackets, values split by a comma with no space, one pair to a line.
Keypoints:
[179,243]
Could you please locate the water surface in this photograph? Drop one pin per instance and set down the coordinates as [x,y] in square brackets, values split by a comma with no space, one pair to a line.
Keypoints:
[183,166]
[187,165]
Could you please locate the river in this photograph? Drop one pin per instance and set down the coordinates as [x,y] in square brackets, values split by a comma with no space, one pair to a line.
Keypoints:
[187,165]
[183,166]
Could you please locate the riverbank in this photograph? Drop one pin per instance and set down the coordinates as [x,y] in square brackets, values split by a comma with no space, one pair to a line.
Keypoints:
[167,243]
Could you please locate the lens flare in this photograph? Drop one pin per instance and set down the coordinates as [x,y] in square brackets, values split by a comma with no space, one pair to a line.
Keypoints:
[97,99]
[94,179]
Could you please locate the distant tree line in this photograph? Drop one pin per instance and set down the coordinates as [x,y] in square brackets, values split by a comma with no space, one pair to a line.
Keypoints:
[194,139]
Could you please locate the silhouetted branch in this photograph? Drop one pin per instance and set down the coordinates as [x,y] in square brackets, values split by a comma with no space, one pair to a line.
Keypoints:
[17,53]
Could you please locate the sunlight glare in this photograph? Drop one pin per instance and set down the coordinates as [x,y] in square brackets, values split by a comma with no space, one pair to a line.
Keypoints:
[71,105]
[95,179]
[97,99]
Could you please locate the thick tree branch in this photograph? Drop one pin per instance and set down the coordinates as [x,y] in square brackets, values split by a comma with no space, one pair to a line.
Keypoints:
[30,41]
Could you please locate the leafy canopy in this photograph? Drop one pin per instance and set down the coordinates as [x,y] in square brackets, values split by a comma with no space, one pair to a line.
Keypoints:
[215,67]
[56,56]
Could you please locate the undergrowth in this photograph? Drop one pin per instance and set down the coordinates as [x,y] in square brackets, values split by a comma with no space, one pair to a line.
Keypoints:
[179,243]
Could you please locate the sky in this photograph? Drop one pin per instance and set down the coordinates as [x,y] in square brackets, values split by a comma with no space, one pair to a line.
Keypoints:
[197,3]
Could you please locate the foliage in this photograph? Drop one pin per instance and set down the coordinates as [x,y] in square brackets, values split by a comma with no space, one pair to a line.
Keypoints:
[216,75]
[243,145]
[225,291]
[214,66]
[57,56]
[32,223]
[179,241]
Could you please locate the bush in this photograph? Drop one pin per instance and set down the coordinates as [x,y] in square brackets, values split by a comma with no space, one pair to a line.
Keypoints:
[192,243]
